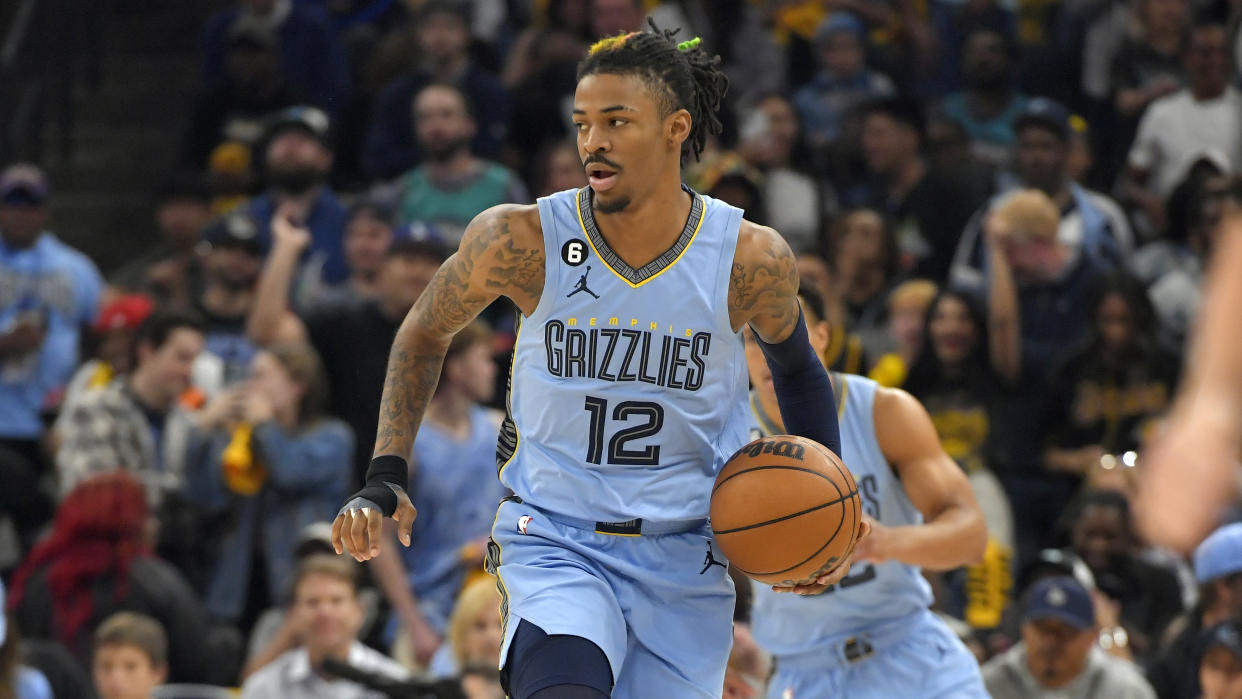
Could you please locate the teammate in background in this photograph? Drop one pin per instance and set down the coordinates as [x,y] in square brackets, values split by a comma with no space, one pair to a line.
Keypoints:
[1180,499]
[624,403]
[871,634]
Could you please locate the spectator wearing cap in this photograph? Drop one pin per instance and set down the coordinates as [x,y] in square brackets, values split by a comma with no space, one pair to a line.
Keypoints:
[452,185]
[1220,672]
[369,231]
[113,336]
[1177,129]
[131,423]
[352,339]
[843,81]
[232,259]
[989,102]
[48,293]
[252,87]
[1091,223]
[311,59]
[442,33]
[170,270]
[1174,672]
[928,207]
[1058,656]
[297,161]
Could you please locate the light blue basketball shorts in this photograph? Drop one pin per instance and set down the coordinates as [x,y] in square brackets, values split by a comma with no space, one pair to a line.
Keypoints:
[919,658]
[660,606]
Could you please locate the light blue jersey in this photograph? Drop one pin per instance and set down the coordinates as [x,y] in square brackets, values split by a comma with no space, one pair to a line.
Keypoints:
[628,394]
[870,635]
[629,385]
[456,493]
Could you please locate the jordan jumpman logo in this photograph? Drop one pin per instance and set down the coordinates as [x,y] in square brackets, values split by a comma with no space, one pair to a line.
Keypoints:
[582,285]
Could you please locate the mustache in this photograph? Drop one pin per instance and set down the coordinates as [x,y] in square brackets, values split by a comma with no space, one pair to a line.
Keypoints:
[597,158]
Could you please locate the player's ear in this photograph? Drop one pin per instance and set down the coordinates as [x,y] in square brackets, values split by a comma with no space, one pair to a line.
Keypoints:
[677,128]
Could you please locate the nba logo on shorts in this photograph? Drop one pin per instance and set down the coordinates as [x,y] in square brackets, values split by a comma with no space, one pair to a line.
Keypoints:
[522,522]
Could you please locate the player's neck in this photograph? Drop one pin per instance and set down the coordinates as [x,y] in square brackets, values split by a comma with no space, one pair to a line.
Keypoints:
[647,227]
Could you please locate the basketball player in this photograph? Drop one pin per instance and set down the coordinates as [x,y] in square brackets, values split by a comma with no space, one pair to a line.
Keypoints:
[624,402]
[871,634]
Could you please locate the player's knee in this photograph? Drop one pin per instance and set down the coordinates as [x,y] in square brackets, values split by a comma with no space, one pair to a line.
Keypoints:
[540,666]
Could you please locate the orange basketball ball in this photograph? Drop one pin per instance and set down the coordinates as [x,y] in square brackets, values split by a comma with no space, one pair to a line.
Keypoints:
[785,510]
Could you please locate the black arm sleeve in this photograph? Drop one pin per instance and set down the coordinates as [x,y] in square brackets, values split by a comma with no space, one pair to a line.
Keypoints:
[803,390]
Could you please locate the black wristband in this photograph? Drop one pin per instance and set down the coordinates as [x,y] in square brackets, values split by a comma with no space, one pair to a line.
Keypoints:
[386,474]
[389,468]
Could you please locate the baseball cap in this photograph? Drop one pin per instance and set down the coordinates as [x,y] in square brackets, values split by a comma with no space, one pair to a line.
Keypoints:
[1045,113]
[1227,635]
[23,183]
[124,313]
[310,120]
[1220,554]
[1062,598]
[236,229]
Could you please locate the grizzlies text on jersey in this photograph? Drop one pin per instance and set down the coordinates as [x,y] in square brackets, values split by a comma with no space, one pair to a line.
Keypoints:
[628,389]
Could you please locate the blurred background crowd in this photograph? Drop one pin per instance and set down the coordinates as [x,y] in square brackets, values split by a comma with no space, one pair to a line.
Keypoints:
[214,214]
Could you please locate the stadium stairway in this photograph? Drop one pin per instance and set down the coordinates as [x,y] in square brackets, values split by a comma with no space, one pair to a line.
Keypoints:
[130,103]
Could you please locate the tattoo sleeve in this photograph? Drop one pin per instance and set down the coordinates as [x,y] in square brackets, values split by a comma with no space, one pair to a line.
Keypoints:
[763,285]
[490,262]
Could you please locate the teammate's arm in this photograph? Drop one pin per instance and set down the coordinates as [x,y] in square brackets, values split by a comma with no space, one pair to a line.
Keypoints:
[953,532]
[501,253]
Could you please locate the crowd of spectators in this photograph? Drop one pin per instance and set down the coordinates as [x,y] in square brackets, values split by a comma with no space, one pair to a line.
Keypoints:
[1006,206]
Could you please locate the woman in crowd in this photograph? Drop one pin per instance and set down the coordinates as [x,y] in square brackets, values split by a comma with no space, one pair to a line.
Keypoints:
[952,377]
[96,561]
[474,630]
[266,460]
[1106,391]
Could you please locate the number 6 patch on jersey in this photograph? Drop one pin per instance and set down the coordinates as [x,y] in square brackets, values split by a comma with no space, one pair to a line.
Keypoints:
[574,252]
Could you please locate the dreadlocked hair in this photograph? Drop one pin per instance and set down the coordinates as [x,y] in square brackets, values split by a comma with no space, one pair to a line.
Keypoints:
[682,76]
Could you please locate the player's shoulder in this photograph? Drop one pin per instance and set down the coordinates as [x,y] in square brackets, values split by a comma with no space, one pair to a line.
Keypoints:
[756,239]
[509,224]
[892,403]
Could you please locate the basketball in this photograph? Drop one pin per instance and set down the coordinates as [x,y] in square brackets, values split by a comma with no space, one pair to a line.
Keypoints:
[784,509]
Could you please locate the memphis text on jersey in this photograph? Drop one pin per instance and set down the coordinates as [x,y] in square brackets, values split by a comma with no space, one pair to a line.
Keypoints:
[612,349]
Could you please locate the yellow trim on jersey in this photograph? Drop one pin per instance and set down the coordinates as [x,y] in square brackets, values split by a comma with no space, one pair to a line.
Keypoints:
[517,435]
[615,533]
[582,225]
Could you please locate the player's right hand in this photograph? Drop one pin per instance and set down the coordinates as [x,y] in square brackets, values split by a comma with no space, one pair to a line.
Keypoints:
[357,527]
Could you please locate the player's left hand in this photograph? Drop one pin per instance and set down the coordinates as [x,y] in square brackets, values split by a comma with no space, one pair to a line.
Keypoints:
[832,577]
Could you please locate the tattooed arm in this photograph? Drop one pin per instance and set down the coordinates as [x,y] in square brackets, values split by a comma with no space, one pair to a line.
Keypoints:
[501,254]
[763,291]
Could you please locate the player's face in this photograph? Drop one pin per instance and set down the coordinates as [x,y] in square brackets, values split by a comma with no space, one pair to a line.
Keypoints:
[124,671]
[328,613]
[952,330]
[1220,674]
[483,636]
[625,142]
[366,240]
[1056,652]
[1100,537]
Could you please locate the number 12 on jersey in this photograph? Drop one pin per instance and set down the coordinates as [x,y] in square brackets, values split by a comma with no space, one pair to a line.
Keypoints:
[618,453]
